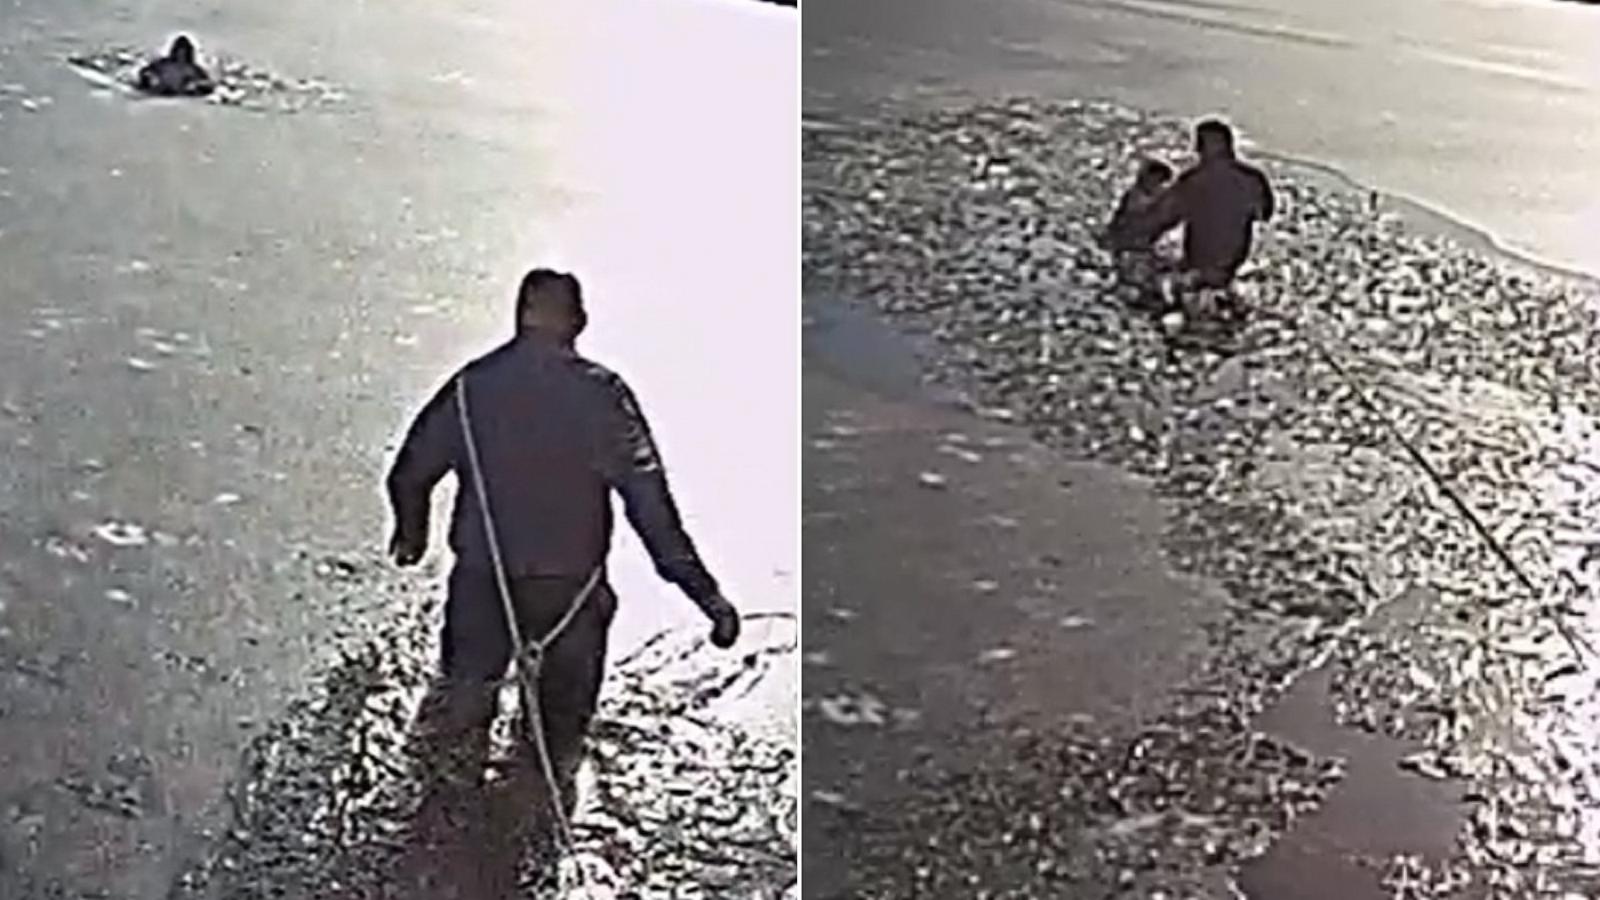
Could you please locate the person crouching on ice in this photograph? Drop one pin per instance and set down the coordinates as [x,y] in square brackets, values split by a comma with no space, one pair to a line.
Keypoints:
[177,74]
[1133,230]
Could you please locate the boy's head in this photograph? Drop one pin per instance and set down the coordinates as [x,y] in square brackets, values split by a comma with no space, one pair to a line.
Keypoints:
[182,49]
[1153,174]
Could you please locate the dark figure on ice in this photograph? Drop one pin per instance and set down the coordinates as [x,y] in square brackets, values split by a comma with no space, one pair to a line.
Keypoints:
[1133,224]
[177,74]
[555,434]
[1131,234]
[1218,202]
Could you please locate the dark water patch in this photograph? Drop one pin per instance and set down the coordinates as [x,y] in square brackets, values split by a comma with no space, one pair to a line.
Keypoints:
[1383,812]
[239,84]
[855,345]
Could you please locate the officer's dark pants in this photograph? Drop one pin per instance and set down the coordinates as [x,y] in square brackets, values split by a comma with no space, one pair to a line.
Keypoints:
[468,835]
[476,652]
[1215,277]
[477,645]
[1215,272]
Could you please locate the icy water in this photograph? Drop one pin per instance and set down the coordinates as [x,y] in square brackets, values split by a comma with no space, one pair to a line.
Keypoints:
[975,226]
[345,795]
[224,312]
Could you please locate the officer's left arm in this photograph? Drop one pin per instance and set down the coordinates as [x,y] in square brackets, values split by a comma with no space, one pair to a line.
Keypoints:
[1269,202]
[428,453]
[632,465]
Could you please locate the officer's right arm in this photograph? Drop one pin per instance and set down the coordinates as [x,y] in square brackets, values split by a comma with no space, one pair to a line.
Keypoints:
[1168,211]
[428,453]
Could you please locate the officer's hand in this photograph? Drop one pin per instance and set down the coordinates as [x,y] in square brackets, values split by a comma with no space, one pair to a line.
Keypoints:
[724,622]
[406,550]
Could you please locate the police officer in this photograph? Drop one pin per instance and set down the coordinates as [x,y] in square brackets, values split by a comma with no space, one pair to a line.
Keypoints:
[1218,201]
[555,434]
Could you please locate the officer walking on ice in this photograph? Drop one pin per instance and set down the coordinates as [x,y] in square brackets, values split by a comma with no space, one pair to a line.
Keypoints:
[539,437]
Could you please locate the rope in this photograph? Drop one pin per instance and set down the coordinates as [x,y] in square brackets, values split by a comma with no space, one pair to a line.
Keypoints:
[529,655]
[1579,645]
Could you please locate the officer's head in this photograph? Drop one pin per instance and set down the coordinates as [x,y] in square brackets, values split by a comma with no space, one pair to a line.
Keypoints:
[550,303]
[182,49]
[1213,139]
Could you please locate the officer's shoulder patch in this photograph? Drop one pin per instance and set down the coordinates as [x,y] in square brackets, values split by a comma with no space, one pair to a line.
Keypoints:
[594,370]
[599,375]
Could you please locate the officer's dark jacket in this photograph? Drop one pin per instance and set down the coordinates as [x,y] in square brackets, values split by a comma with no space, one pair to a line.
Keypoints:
[1218,202]
[556,434]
